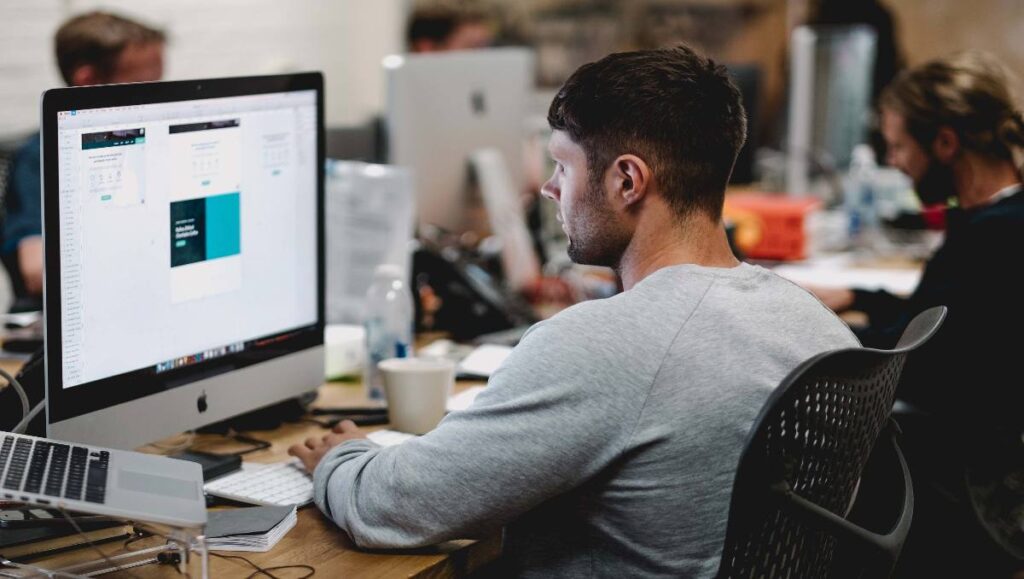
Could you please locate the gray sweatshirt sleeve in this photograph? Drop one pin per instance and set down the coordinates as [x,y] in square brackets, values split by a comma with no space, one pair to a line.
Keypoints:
[543,426]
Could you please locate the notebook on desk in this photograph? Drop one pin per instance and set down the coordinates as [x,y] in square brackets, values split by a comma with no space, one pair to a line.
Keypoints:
[255,529]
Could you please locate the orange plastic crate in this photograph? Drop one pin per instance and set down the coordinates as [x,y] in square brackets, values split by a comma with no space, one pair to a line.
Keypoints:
[770,226]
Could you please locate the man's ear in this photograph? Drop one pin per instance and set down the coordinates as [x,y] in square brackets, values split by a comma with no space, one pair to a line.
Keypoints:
[946,145]
[85,75]
[631,179]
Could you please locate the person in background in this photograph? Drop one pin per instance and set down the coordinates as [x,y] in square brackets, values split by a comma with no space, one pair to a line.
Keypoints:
[440,28]
[955,128]
[92,48]
[608,441]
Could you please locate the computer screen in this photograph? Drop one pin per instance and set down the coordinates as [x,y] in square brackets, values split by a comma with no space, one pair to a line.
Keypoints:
[829,101]
[441,109]
[183,244]
[458,120]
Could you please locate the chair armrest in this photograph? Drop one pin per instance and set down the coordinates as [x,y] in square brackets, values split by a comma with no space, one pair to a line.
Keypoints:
[883,546]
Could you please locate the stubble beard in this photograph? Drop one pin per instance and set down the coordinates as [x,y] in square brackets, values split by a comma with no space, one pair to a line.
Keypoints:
[599,238]
[937,184]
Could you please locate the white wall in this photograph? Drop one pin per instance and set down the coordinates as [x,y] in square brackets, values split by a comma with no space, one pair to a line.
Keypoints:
[345,39]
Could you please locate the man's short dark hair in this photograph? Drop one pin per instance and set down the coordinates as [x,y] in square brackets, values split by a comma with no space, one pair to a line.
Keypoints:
[438,23]
[97,38]
[675,109]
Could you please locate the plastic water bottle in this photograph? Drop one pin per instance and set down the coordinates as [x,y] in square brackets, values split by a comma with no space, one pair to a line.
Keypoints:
[859,197]
[389,324]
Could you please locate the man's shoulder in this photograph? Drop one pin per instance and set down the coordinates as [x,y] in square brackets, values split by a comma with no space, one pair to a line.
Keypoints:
[25,164]
[580,319]
[1004,211]
[647,317]
[997,229]
[28,149]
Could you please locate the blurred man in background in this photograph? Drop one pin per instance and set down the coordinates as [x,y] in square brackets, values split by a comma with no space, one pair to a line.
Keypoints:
[440,28]
[93,48]
[955,128]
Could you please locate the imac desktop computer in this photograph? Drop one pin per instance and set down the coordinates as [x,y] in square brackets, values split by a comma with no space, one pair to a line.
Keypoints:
[458,120]
[829,100]
[442,108]
[184,268]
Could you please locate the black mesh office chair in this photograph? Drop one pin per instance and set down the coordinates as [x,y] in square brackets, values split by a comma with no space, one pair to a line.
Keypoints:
[801,469]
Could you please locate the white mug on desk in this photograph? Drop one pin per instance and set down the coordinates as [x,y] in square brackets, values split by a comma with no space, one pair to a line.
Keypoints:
[417,392]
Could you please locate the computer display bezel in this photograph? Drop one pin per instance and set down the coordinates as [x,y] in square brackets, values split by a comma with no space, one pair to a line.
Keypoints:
[63,404]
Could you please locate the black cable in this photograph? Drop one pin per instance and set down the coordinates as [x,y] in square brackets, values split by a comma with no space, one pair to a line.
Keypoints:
[145,534]
[250,563]
[312,571]
[27,414]
[267,570]
[256,444]
[139,535]
[239,437]
[106,558]
[259,570]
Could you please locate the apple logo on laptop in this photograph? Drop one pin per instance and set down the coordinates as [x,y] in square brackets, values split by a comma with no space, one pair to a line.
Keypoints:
[201,403]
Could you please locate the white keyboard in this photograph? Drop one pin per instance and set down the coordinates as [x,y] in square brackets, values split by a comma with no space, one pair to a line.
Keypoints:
[280,483]
[277,484]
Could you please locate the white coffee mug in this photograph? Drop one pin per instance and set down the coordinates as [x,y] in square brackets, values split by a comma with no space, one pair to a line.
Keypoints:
[417,392]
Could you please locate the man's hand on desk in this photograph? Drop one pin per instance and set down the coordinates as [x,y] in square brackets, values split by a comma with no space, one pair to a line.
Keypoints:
[315,448]
[838,300]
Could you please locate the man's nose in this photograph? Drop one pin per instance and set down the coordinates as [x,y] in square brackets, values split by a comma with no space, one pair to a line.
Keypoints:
[549,190]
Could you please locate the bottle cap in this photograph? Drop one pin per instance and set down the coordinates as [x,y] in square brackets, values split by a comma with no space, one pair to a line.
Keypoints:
[388,271]
[863,154]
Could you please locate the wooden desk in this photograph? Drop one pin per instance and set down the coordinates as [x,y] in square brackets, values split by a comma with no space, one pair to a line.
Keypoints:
[315,540]
[11,365]
[318,542]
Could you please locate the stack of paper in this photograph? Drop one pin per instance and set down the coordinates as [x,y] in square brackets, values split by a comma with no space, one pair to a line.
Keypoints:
[483,361]
[389,437]
[840,271]
[464,399]
[250,529]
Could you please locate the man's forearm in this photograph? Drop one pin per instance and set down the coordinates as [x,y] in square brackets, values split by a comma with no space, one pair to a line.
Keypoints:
[30,263]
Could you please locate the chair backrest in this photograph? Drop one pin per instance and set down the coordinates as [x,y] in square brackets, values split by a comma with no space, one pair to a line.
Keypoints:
[812,440]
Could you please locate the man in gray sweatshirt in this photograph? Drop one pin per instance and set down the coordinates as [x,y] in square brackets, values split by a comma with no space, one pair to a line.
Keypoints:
[607,443]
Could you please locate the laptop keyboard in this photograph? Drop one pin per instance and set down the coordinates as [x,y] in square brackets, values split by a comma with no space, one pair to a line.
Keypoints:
[54,469]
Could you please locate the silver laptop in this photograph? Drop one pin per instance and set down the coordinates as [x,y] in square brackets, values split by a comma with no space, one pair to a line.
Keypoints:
[90,479]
